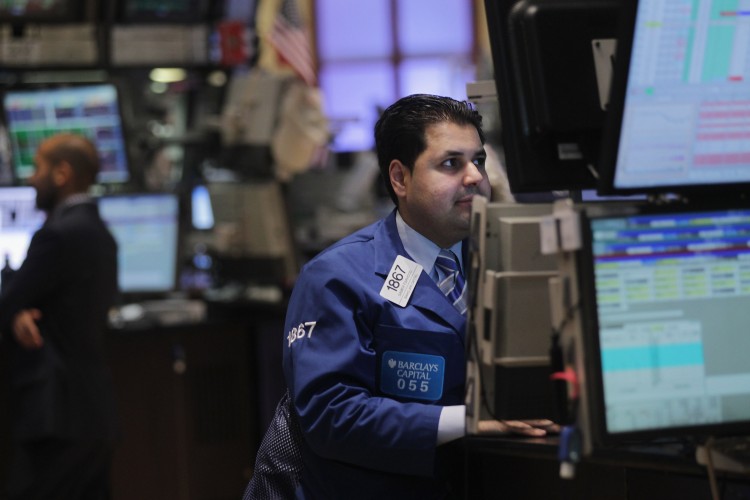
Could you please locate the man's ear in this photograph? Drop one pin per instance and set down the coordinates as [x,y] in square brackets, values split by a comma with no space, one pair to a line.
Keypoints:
[62,174]
[398,174]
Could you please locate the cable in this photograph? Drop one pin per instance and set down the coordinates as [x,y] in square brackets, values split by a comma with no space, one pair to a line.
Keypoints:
[593,171]
[709,446]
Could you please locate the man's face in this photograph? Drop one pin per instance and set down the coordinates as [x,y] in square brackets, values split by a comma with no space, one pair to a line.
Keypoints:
[435,198]
[42,180]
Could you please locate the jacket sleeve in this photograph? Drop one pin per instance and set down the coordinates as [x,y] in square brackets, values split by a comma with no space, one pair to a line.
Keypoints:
[330,365]
[34,280]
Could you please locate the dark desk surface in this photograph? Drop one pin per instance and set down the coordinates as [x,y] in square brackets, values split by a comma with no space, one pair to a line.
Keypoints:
[528,468]
[675,456]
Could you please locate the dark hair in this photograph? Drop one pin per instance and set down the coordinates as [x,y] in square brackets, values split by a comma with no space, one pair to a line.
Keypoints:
[400,130]
[80,153]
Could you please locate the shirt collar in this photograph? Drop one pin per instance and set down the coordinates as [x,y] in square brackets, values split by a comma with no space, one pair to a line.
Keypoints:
[75,199]
[422,250]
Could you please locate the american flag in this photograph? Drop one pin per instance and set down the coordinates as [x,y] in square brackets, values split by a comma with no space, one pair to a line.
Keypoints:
[290,40]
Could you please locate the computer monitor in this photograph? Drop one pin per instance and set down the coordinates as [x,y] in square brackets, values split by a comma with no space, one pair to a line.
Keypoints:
[680,100]
[664,295]
[551,86]
[34,113]
[177,11]
[146,228]
[27,11]
[19,220]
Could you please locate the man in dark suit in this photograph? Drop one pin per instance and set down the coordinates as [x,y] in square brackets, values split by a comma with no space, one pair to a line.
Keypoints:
[53,316]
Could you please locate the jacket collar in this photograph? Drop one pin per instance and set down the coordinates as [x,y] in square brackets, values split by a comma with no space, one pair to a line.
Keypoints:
[426,296]
[70,201]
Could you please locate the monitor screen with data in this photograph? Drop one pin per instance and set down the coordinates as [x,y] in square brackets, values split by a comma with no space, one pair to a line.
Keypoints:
[680,102]
[163,11]
[146,228]
[34,113]
[55,11]
[667,302]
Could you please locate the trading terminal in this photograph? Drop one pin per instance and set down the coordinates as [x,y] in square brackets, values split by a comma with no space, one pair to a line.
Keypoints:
[606,290]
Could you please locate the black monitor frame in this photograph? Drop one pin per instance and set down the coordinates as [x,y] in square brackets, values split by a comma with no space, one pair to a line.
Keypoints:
[614,124]
[123,176]
[601,436]
[551,115]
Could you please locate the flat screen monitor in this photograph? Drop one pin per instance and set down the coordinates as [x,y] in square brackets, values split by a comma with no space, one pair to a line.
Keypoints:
[664,296]
[552,60]
[680,100]
[146,228]
[19,220]
[35,113]
[163,10]
[40,10]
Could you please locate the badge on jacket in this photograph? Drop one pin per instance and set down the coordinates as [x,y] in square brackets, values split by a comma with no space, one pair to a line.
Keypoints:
[401,281]
[412,375]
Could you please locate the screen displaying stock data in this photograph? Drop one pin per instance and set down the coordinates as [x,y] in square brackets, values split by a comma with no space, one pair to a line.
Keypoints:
[672,293]
[686,113]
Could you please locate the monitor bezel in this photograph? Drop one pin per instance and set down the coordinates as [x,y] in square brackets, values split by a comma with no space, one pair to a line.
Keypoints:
[601,435]
[61,87]
[613,126]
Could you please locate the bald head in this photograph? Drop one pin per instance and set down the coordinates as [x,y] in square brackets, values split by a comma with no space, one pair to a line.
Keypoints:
[77,151]
[65,164]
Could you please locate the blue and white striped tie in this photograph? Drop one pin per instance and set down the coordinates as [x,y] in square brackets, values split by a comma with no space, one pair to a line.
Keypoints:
[453,284]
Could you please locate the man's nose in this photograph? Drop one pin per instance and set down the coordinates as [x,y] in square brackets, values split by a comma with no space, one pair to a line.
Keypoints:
[472,173]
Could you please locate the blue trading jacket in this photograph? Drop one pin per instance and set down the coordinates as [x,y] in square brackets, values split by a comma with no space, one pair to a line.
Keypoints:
[367,376]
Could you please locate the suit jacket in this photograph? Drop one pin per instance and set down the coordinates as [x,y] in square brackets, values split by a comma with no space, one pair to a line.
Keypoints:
[64,389]
[369,377]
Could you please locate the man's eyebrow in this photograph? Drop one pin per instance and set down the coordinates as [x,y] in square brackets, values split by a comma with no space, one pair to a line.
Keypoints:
[478,152]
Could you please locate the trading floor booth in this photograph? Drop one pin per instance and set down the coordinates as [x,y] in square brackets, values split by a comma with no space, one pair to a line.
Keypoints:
[645,335]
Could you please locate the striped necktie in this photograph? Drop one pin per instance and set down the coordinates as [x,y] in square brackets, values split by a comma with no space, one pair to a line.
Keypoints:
[453,284]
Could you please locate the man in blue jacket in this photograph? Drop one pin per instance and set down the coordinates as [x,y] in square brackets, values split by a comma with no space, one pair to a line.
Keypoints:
[374,349]
[53,317]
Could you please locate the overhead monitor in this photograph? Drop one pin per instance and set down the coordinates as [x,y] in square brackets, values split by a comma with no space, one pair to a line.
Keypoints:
[34,113]
[680,100]
[550,91]
[664,296]
[146,228]
[19,220]
[163,11]
[23,11]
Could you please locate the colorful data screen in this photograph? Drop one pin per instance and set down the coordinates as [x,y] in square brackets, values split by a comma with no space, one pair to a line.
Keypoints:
[34,114]
[672,292]
[686,115]
[146,228]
